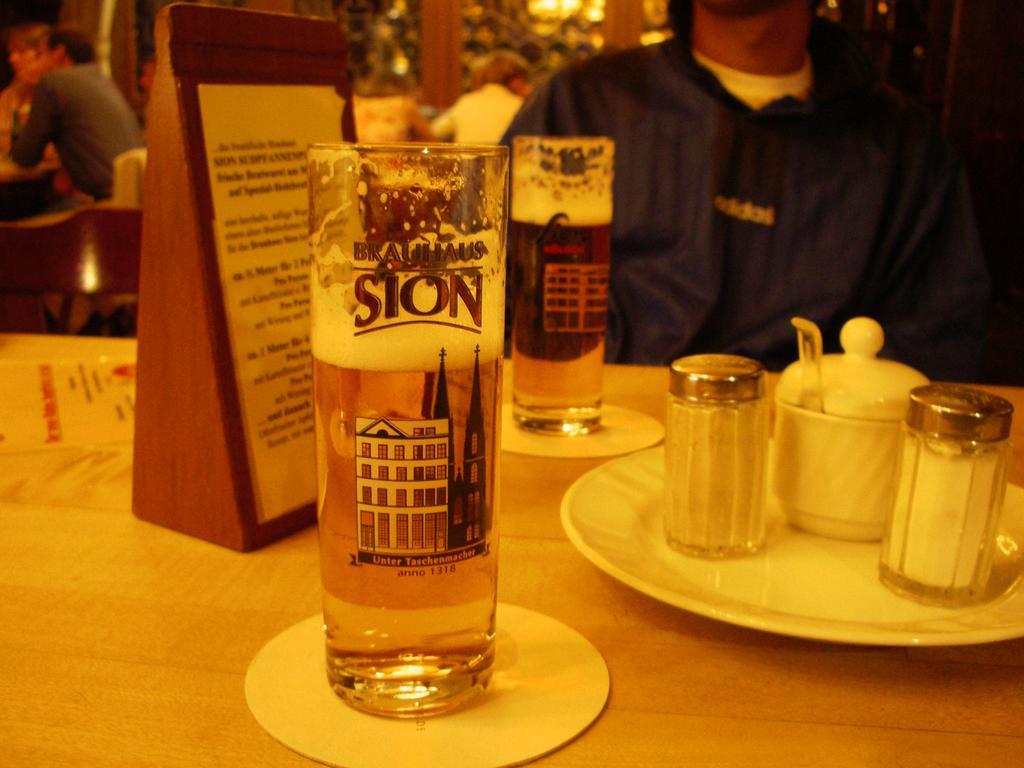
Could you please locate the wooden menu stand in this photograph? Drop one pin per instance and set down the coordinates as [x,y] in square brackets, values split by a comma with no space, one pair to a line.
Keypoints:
[193,468]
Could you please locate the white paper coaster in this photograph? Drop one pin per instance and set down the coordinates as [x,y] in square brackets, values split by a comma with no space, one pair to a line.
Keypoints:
[622,431]
[549,684]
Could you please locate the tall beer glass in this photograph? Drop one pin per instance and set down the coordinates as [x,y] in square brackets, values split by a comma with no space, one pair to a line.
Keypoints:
[408,245]
[560,248]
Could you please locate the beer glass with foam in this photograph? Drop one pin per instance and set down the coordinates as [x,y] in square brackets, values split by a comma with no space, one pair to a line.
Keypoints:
[408,287]
[560,247]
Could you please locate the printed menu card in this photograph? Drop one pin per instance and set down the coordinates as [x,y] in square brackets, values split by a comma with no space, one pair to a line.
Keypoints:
[257,171]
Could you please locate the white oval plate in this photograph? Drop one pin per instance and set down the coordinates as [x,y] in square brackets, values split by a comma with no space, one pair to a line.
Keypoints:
[800,585]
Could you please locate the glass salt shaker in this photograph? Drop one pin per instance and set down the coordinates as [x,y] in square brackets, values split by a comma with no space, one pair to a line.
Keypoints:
[941,533]
[716,450]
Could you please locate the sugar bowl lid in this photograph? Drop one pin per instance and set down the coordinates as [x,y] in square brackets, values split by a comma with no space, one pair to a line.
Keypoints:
[855,384]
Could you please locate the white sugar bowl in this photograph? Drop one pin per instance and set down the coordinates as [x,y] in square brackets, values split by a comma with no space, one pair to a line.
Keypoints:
[837,444]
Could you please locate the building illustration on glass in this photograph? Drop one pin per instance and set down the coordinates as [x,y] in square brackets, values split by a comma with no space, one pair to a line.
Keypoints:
[575,297]
[411,497]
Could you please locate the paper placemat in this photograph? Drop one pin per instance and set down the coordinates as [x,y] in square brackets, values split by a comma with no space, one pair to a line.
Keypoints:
[549,684]
[61,402]
[621,431]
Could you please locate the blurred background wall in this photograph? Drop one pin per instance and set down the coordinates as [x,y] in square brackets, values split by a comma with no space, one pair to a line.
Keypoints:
[964,59]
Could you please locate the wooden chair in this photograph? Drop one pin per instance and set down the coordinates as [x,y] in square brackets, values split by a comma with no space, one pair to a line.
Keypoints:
[93,251]
[129,178]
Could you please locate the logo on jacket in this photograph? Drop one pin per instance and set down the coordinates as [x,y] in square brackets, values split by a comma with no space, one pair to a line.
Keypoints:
[744,210]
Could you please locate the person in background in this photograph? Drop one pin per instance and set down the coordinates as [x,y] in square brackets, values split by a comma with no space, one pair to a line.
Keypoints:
[499,83]
[25,44]
[82,112]
[384,112]
[763,172]
[147,72]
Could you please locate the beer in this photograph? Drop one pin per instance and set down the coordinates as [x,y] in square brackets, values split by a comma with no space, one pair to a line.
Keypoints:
[558,337]
[409,569]
[407,347]
[560,245]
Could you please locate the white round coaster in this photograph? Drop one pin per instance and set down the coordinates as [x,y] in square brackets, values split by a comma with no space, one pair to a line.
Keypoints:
[549,684]
[621,431]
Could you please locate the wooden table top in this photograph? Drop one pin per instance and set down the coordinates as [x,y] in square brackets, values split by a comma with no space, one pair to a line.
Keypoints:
[126,644]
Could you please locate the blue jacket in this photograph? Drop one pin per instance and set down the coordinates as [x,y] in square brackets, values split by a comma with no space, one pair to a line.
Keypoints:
[727,222]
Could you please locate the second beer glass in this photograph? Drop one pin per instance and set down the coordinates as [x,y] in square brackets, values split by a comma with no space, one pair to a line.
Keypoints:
[560,251]
[408,247]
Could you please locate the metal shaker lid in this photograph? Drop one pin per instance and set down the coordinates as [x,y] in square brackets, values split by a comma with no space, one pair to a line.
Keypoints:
[717,378]
[955,411]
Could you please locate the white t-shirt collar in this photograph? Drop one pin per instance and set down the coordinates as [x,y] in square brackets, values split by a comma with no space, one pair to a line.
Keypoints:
[758,90]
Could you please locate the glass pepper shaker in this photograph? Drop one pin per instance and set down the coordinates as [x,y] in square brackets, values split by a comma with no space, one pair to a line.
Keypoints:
[941,533]
[716,449]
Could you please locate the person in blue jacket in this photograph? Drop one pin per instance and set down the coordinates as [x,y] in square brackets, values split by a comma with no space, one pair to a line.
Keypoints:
[763,172]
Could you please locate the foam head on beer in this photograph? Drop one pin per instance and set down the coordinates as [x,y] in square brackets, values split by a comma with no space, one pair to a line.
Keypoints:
[563,174]
[405,252]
